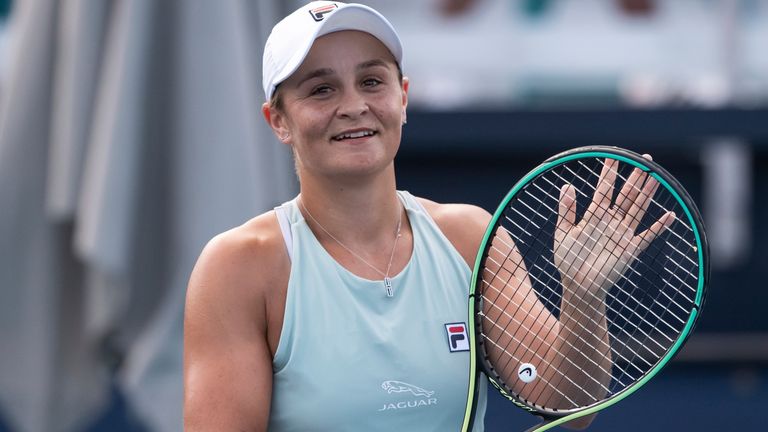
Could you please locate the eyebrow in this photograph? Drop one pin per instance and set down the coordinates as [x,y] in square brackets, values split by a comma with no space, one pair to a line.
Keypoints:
[322,72]
[372,63]
[317,73]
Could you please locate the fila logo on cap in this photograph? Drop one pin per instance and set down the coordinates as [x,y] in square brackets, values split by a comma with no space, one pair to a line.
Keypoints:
[319,13]
[457,337]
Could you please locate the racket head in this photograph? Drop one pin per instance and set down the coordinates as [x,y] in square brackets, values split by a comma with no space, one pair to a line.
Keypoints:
[674,270]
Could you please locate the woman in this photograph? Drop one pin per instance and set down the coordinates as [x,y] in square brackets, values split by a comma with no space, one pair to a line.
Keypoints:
[331,312]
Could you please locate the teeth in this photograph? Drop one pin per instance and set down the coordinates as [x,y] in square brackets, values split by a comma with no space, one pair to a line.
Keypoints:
[354,135]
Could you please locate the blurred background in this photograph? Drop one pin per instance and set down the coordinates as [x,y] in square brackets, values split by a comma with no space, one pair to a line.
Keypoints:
[131,133]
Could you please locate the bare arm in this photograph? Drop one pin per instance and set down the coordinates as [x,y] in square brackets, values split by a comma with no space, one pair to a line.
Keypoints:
[227,358]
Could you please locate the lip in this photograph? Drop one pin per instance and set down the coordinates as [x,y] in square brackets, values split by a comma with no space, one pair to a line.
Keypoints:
[370,133]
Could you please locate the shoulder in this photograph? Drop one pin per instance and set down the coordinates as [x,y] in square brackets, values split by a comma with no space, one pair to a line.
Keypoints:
[234,252]
[463,224]
[240,266]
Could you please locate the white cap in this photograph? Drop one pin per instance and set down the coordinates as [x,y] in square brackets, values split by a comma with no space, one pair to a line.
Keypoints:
[291,38]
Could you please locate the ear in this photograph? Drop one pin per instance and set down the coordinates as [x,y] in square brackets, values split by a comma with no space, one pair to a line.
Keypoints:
[406,84]
[277,121]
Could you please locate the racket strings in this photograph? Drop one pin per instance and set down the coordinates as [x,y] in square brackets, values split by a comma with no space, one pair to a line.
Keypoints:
[683,224]
[514,355]
[673,233]
[549,302]
[630,268]
[510,301]
[539,357]
[541,339]
[577,243]
[536,335]
[647,309]
[535,209]
[585,246]
[581,339]
[631,338]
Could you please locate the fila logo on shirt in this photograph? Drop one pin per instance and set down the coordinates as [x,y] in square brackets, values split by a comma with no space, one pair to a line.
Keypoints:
[319,13]
[457,337]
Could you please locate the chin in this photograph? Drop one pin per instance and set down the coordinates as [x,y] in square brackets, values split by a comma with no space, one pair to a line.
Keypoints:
[363,168]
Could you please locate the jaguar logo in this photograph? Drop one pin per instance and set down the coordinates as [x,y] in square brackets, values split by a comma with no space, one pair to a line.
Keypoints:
[423,398]
[401,387]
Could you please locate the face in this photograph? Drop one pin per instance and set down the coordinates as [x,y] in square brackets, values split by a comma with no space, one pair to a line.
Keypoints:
[343,109]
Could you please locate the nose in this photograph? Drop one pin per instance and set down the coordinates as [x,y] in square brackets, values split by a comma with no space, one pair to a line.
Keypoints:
[352,105]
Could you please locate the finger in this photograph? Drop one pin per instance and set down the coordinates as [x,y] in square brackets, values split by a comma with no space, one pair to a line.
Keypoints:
[601,201]
[641,203]
[646,237]
[566,211]
[630,190]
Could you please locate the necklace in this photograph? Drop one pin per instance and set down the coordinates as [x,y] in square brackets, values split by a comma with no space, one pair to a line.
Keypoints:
[387,281]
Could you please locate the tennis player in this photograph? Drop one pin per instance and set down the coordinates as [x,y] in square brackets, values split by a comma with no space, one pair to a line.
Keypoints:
[345,308]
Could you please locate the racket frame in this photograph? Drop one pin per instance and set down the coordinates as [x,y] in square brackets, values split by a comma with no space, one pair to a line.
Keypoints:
[552,419]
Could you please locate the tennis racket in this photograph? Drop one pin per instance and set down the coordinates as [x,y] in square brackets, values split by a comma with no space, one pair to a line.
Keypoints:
[590,277]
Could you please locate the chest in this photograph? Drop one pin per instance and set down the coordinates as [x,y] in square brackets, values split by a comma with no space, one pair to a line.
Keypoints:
[372,373]
[378,362]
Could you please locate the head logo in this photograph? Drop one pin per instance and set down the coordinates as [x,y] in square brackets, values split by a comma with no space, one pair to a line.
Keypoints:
[319,13]
[401,387]
[526,372]
[457,337]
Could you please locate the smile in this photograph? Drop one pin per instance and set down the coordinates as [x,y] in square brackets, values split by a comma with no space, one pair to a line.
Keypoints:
[353,135]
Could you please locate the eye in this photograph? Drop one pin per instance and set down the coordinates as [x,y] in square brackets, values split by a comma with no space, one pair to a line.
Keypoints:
[371,82]
[320,90]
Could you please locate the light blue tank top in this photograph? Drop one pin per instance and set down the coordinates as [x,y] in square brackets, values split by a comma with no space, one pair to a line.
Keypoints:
[352,359]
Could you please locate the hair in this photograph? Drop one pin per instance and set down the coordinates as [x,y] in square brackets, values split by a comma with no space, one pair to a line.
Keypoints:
[276,102]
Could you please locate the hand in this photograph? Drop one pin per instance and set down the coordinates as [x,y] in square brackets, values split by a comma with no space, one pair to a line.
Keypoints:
[594,253]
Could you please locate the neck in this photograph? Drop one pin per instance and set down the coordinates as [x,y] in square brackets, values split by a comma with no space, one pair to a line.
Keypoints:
[356,212]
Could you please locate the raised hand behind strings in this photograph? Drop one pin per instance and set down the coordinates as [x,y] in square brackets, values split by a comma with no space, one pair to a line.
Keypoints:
[594,253]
